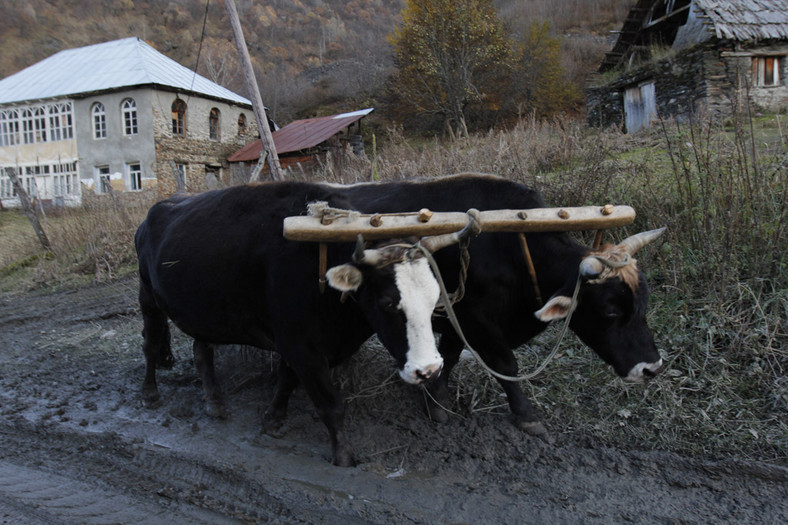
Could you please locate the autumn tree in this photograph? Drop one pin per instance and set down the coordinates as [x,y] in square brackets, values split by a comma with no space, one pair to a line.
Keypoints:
[450,55]
[539,83]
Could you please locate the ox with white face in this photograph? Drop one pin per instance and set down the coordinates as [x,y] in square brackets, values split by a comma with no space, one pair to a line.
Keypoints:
[397,290]
[419,293]
[399,299]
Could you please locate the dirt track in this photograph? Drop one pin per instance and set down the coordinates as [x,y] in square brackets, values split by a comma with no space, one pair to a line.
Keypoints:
[77,447]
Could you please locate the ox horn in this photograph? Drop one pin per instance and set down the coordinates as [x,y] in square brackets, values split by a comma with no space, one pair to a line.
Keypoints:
[474,227]
[374,256]
[635,242]
[358,254]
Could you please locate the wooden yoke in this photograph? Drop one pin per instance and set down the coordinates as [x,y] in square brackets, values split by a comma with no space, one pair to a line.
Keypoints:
[326,224]
[346,228]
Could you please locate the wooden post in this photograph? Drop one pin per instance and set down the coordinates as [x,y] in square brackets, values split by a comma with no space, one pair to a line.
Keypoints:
[28,209]
[269,148]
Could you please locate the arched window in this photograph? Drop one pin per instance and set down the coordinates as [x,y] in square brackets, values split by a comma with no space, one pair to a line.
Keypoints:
[129,110]
[178,117]
[40,123]
[213,124]
[241,124]
[28,135]
[99,121]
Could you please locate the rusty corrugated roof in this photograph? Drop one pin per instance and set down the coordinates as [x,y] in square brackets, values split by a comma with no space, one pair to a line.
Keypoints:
[301,134]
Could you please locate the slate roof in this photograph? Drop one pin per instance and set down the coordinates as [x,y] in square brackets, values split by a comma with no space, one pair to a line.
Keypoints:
[738,20]
[119,64]
[747,20]
[301,134]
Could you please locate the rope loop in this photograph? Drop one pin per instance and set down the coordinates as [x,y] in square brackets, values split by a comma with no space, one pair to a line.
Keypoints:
[447,305]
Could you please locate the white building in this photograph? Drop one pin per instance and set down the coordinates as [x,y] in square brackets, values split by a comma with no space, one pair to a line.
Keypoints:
[118,114]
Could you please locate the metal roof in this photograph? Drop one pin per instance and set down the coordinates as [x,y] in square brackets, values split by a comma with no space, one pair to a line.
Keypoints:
[115,65]
[301,134]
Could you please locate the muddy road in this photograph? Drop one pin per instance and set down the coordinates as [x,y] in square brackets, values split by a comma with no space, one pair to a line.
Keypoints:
[76,446]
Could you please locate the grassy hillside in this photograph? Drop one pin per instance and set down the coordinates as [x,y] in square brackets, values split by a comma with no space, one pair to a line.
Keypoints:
[311,56]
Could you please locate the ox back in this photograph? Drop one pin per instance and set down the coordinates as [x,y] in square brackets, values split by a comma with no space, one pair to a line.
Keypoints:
[497,313]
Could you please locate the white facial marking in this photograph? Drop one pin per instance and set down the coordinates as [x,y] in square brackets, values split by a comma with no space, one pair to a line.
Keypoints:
[636,375]
[419,292]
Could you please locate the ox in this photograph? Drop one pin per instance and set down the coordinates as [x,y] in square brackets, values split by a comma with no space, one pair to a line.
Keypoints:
[217,265]
[501,309]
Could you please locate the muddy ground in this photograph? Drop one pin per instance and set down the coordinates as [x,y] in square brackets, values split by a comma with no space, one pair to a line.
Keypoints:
[76,446]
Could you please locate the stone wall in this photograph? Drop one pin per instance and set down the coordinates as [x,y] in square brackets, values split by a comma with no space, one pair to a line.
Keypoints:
[199,154]
[706,79]
[680,88]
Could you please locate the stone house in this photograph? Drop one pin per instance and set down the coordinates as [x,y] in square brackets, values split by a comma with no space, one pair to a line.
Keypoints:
[679,58]
[115,117]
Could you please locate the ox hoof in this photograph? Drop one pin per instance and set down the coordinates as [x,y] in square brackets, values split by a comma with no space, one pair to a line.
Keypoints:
[343,458]
[216,409]
[165,362]
[151,399]
[272,424]
[437,413]
[537,429]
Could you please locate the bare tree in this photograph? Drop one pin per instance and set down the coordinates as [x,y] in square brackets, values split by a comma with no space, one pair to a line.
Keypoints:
[28,208]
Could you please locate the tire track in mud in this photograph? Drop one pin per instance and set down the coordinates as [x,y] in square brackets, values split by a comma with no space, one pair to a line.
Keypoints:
[97,479]
[101,479]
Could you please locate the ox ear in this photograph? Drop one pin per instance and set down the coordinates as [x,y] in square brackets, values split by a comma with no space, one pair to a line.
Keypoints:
[556,308]
[345,278]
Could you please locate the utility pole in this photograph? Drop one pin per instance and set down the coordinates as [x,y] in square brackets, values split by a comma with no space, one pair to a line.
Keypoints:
[269,149]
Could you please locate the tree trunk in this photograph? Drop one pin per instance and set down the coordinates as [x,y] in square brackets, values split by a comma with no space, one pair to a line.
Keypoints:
[29,210]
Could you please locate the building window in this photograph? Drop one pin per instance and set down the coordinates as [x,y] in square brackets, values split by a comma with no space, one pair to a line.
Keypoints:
[99,121]
[213,124]
[60,124]
[241,124]
[28,137]
[129,110]
[180,170]
[102,175]
[7,189]
[179,117]
[9,127]
[766,71]
[65,176]
[40,124]
[29,181]
[134,176]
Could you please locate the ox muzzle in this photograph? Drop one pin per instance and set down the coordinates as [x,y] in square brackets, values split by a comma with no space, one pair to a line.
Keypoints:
[642,372]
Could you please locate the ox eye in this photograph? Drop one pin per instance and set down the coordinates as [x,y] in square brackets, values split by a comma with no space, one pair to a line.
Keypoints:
[388,304]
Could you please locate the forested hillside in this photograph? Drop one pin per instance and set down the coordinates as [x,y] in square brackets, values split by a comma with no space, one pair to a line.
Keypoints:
[311,56]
